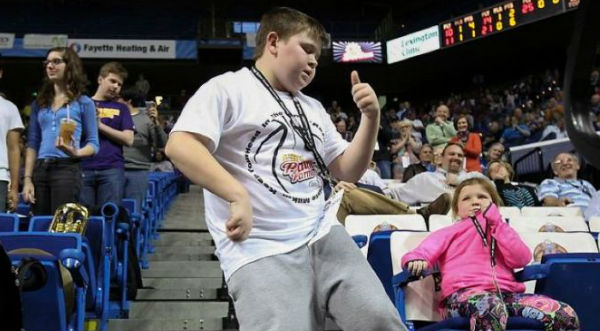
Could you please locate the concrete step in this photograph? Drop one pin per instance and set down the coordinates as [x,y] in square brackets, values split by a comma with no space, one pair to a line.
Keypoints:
[183,223]
[178,269]
[184,283]
[195,294]
[165,324]
[158,310]
[183,239]
[200,249]
[180,257]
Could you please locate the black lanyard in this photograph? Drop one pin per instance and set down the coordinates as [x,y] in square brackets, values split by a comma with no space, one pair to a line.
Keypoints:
[583,188]
[303,130]
[483,236]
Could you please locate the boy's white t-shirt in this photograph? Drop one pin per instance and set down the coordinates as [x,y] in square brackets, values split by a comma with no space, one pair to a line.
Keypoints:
[252,139]
[9,120]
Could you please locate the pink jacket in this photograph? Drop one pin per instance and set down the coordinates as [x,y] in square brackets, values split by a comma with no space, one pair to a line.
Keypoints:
[465,262]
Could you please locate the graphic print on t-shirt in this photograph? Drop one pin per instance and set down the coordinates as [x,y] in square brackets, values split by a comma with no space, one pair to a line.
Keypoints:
[108,112]
[291,162]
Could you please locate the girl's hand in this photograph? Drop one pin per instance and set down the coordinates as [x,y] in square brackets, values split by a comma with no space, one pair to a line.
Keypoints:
[416,267]
[492,214]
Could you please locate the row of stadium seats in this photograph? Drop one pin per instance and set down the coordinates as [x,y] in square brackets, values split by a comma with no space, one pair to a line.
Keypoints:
[81,270]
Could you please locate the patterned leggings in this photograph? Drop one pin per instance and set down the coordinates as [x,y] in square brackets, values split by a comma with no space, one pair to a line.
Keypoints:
[488,312]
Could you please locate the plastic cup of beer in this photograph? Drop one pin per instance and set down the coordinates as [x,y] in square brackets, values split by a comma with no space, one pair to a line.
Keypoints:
[67,128]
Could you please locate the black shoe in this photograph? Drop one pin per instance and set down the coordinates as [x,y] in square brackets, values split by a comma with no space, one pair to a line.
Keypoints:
[441,206]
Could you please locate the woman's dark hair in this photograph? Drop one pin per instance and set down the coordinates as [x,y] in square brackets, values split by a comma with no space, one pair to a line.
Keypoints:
[458,118]
[75,79]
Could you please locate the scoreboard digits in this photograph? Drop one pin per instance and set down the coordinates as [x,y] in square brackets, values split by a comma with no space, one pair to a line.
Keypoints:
[504,16]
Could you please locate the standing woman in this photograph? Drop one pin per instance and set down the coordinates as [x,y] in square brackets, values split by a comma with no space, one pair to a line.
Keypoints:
[52,163]
[471,143]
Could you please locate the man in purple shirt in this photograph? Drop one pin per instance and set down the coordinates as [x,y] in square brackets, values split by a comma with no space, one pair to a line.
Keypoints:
[104,174]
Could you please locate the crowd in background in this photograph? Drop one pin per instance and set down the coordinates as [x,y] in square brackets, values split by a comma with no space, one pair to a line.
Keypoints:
[525,111]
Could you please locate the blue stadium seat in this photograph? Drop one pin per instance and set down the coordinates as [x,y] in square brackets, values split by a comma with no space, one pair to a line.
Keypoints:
[47,308]
[401,280]
[572,278]
[98,253]
[9,223]
[141,230]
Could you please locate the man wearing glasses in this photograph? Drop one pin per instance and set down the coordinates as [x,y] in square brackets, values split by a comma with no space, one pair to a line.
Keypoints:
[565,189]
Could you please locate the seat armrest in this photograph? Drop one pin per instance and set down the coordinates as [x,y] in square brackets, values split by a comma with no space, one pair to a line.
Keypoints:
[532,272]
[73,259]
[402,279]
[360,240]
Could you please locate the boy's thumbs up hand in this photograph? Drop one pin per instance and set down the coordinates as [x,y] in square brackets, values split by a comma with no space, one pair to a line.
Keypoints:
[354,77]
[364,96]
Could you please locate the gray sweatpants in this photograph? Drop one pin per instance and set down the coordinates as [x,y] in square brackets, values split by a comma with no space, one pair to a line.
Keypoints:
[297,290]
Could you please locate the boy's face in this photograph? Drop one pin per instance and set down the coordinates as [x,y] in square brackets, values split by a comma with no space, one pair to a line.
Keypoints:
[296,61]
[110,86]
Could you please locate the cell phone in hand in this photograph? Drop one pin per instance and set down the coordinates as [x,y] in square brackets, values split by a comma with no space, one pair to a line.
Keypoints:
[150,104]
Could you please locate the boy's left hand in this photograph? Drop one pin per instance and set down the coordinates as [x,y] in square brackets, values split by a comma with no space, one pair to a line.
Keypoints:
[364,96]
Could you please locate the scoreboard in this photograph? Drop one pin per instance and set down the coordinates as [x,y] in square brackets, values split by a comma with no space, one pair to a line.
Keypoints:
[504,16]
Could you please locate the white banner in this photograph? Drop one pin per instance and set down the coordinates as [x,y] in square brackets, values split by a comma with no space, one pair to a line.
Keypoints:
[413,44]
[44,41]
[7,40]
[123,48]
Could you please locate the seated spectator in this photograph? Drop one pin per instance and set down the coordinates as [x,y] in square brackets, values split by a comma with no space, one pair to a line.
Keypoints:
[335,111]
[469,287]
[397,171]
[516,134]
[493,134]
[536,127]
[441,130]
[340,126]
[371,177]
[418,128]
[517,195]
[427,186]
[361,201]
[405,149]
[494,153]
[565,189]
[425,164]
[471,143]
[593,208]
[382,154]
[555,131]
[162,164]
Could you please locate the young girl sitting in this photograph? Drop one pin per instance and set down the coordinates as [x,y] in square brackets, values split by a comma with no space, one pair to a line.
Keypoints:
[476,257]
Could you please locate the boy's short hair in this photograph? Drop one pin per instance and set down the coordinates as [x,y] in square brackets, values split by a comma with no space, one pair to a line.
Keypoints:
[287,22]
[113,68]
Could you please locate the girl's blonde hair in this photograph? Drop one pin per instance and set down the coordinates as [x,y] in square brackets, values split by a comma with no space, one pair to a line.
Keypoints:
[487,186]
